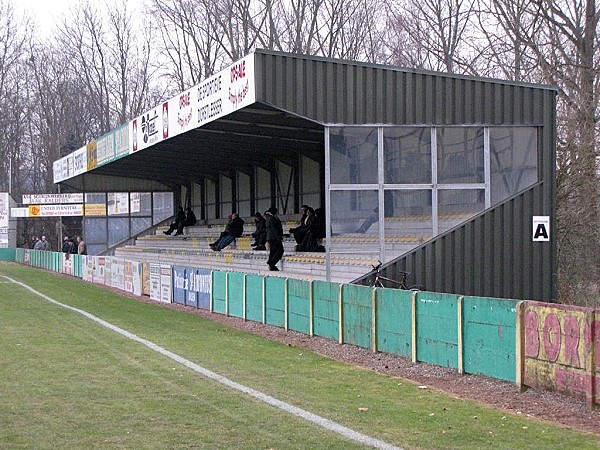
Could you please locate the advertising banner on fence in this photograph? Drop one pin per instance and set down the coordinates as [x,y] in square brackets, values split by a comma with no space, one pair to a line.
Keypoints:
[55,210]
[191,286]
[165,283]
[4,216]
[136,274]
[99,266]
[562,348]
[67,263]
[155,282]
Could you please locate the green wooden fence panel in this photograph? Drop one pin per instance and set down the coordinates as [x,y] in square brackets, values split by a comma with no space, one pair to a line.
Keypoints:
[489,337]
[299,305]
[236,294]
[437,329]
[20,255]
[254,297]
[219,291]
[357,310]
[7,254]
[394,321]
[326,316]
[77,266]
[275,301]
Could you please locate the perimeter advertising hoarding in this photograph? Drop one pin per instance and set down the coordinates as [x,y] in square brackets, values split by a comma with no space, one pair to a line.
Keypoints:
[562,348]
[4,209]
[191,286]
[55,210]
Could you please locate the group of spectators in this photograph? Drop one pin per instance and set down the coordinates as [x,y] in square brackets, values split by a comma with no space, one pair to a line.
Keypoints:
[311,231]
[182,219]
[70,247]
[268,229]
[40,244]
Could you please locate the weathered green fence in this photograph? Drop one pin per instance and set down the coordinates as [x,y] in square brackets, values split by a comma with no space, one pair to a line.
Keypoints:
[474,335]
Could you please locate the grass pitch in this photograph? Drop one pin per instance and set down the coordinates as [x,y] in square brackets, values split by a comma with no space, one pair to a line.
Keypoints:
[68,382]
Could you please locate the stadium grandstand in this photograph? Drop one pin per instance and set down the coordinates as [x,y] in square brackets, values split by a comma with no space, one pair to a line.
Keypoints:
[447,177]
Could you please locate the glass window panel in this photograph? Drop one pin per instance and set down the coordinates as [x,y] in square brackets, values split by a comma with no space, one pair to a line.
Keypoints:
[353,155]
[95,230]
[460,155]
[310,182]
[118,230]
[513,161]
[141,203]
[139,224]
[407,153]
[99,197]
[460,202]
[354,211]
[95,249]
[163,206]
[409,207]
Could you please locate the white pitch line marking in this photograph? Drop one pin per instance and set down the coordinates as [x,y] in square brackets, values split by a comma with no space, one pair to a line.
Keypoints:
[310,417]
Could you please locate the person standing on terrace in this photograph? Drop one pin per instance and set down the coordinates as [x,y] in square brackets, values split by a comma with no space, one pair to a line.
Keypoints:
[274,237]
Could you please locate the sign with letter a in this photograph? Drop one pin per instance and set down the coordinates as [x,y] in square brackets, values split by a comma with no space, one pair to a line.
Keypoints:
[541,228]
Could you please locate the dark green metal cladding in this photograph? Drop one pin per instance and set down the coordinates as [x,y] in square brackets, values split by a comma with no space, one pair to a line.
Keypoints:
[490,255]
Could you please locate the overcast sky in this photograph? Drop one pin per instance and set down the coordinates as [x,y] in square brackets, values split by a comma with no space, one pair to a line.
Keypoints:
[49,12]
[45,12]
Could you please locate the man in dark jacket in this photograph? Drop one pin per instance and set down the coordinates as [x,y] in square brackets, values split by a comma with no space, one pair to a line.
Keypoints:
[260,233]
[178,222]
[274,238]
[190,220]
[234,229]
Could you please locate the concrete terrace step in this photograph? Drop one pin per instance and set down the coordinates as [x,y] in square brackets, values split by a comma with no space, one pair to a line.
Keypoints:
[300,265]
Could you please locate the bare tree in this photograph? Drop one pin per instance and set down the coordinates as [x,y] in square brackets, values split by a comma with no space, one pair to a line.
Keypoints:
[14,36]
[431,34]
[190,43]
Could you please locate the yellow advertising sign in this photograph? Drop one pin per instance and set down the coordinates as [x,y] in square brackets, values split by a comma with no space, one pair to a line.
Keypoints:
[94,209]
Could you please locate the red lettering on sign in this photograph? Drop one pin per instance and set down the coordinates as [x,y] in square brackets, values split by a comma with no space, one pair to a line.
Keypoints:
[184,100]
[571,341]
[238,71]
[552,336]
[532,340]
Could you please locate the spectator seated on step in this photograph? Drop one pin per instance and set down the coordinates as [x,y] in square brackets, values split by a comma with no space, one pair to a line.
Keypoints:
[177,224]
[234,229]
[260,233]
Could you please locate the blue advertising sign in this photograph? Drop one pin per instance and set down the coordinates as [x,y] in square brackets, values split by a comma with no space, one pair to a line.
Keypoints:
[191,286]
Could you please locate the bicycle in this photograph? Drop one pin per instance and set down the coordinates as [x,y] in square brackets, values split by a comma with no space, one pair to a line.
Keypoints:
[380,281]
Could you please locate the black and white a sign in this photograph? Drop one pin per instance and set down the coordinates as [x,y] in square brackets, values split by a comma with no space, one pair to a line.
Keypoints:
[541,228]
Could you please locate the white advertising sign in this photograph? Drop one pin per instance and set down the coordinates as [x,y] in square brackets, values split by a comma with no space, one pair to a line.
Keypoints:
[155,281]
[118,203]
[40,199]
[165,284]
[147,129]
[19,212]
[80,161]
[4,216]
